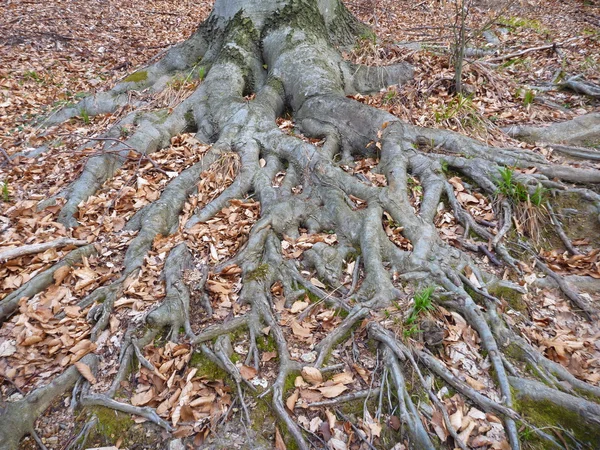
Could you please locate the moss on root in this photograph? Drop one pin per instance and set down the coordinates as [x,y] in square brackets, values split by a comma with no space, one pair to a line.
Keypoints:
[542,413]
[512,297]
[137,77]
[114,425]
[207,368]
[258,274]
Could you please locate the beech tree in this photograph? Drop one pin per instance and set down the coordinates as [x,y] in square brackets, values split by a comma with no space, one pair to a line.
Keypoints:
[260,60]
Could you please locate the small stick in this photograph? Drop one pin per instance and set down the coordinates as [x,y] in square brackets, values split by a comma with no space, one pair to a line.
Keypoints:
[38,248]
[356,430]
[561,232]
[346,398]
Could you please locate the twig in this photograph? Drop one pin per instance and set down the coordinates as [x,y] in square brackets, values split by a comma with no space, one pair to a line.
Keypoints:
[37,248]
[346,398]
[532,49]
[457,440]
[356,430]
[6,156]
[561,232]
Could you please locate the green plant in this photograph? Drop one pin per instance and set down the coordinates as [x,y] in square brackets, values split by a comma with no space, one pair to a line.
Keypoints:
[411,331]
[5,193]
[520,22]
[389,96]
[32,75]
[538,195]
[518,192]
[509,187]
[529,97]
[84,116]
[201,73]
[423,303]
[459,107]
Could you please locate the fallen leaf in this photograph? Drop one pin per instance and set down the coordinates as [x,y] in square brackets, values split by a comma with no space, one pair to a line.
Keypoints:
[300,331]
[332,391]
[299,306]
[143,398]
[248,372]
[312,375]
[344,378]
[279,444]
[292,399]
[85,371]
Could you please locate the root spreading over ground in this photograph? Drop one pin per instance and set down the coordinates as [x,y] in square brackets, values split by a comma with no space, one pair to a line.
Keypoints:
[256,62]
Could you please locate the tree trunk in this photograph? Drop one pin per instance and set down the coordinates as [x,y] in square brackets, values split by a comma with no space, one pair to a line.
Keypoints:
[261,60]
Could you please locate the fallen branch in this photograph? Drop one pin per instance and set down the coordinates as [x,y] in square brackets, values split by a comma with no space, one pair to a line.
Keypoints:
[38,248]
[554,45]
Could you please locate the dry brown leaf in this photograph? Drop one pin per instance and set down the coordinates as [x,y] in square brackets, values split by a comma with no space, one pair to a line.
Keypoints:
[292,399]
[331,419]
[466,433]
[268,356]
[332,391]
[344,378]
[279,444]
[312,375]
[299,306]
[317,283]
[85,371]
[437,422]
[300,331]
[142,398]
[248,372]
[361,372]
[60,274]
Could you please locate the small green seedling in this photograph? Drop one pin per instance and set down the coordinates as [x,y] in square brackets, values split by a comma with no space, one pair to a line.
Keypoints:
[201,73]
[5,193]
[84,116]
[528,98]
[516,191]
[423,303]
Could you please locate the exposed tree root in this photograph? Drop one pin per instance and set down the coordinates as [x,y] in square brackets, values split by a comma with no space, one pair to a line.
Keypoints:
[285,57]
[583,131]
[38,248]
[41,281]
[19,416]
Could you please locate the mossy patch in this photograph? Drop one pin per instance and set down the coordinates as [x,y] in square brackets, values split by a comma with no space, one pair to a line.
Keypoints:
[512,297]
[137,77]
[266,343]
[260,273]
[207,368]
[542,413]
[114,425]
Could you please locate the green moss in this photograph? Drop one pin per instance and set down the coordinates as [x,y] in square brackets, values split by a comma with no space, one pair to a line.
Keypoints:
[514,352]
[113,425]
[189,117]
[276,84]
[262,414]
[207,368]
[266,343]
[137,77]
[521,22]
[512,297]
[545,413]
[289,384]
[299,15]
[260,273]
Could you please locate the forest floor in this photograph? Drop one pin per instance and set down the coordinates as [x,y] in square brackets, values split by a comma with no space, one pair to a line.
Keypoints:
[54,52]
